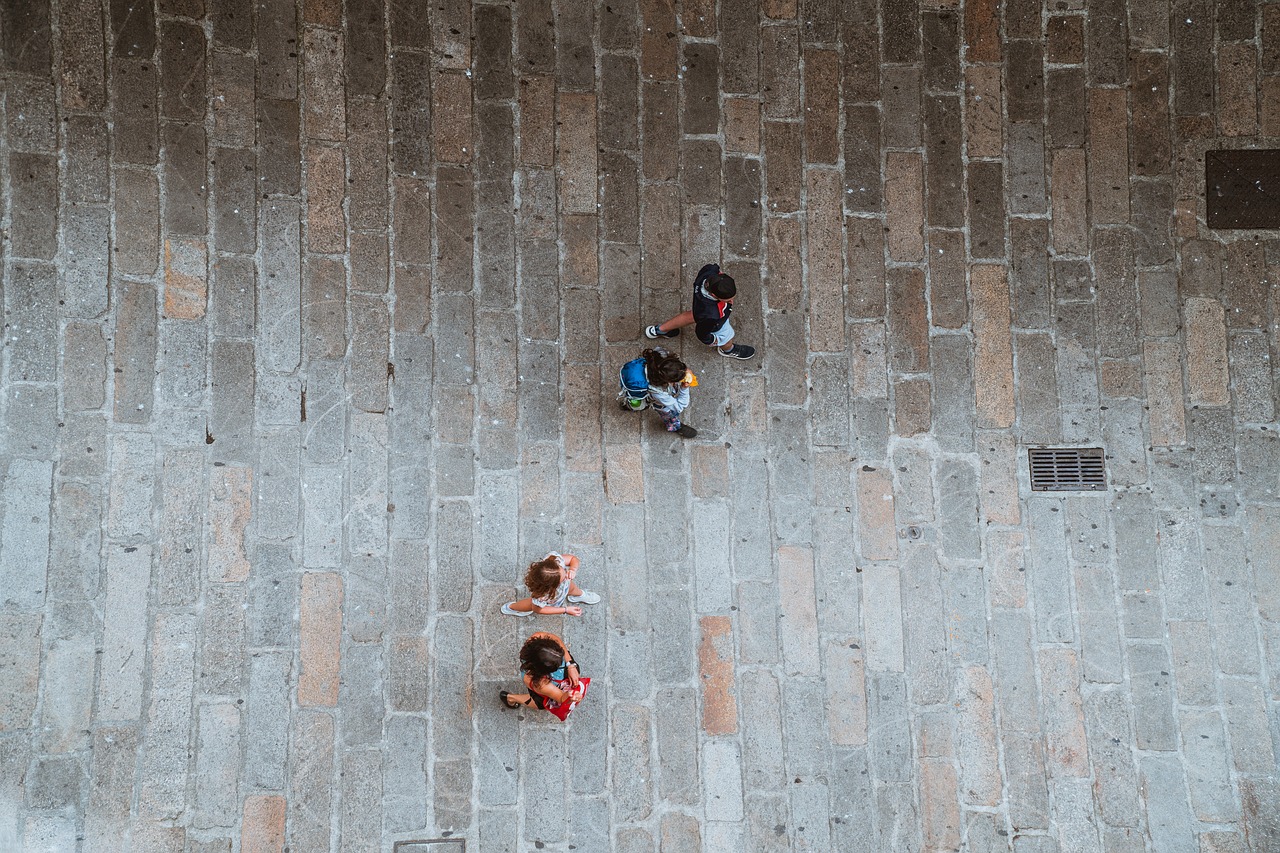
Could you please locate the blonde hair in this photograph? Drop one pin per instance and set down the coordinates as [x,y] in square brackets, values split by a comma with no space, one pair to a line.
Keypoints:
[543,577]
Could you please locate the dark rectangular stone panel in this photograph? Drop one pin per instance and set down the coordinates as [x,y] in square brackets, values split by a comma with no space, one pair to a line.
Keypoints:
[1242,188]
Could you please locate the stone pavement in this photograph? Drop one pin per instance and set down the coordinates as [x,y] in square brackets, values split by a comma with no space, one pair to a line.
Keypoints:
[313,313]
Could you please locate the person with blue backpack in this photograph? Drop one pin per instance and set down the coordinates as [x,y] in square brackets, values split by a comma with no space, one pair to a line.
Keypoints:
[660,381]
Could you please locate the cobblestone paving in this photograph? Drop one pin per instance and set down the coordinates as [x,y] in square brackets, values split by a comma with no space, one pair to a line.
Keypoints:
[313,312]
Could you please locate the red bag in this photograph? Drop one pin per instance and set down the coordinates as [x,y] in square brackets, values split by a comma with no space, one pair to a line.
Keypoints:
[562,709]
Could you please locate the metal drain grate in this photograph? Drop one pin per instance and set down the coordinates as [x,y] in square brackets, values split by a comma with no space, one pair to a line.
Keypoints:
[1067,469]
[1242,188]
[435,845]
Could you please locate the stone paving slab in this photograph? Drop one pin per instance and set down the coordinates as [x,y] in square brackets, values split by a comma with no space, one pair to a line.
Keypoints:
[313,312]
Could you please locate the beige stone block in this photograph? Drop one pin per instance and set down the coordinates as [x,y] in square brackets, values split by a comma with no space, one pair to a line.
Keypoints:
[984,116]
[741,126]
[904,205]
[320,636]
[715,666]
[993,346]
[1162,366]
[877,534]
[1208,381]
[186,281]
[262,829]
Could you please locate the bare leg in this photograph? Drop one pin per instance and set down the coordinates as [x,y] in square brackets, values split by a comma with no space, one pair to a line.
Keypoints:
[514,699]
[727,345]
[677,322]
[524,605]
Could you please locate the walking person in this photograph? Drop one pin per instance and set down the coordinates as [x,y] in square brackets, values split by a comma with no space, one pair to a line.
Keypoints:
[552,589]
[550,674]
[713,293]
[658,380]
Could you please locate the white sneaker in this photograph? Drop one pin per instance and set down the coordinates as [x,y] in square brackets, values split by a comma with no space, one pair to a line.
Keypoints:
[655,332]
[510,611]
[587,597]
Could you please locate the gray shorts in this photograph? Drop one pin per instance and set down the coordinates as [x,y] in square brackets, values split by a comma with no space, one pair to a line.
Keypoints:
[723,335]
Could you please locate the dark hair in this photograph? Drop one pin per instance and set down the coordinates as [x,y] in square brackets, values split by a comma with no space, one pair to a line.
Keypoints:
[721,286]
[541,656]
[663,367]
[543,577]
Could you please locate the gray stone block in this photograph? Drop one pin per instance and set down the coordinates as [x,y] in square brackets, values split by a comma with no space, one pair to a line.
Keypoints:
[758,616]
[1181,567]
[278,509]
[217,765]
[1077,823]
[958,527]
[713,565]
[222,640]
[404,774]
[1133,517]
[232,400]
[632,771]
[266,721]
[54,782]
[361,694]
[1050,577]
[1169,819]
[1208,772]
[450,710]
[453,555]
[1151,692]
[360,824]
[1110,736]
[889,741]
[1099,625]
[924,629]
[24,561]
[66,693]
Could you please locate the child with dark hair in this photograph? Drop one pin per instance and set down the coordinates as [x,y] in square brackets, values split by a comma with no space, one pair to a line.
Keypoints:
[551,675]
[713,293]
[660,381]
[551,588]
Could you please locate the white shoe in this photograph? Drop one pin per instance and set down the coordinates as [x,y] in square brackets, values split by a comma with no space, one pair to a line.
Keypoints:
[587,597]
[511,611]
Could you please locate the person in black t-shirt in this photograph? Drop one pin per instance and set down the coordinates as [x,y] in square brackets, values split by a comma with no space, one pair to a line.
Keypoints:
[713,293]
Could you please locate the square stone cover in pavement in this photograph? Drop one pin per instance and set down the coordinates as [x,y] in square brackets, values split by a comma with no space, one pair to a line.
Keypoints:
[314,313]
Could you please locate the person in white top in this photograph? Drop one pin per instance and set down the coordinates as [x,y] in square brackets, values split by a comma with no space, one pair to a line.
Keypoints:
[552,589]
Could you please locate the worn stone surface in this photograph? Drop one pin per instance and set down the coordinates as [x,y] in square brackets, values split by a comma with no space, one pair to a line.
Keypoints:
[313,313]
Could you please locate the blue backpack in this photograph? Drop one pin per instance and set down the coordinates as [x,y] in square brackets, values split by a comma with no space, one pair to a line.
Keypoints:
[634,385]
